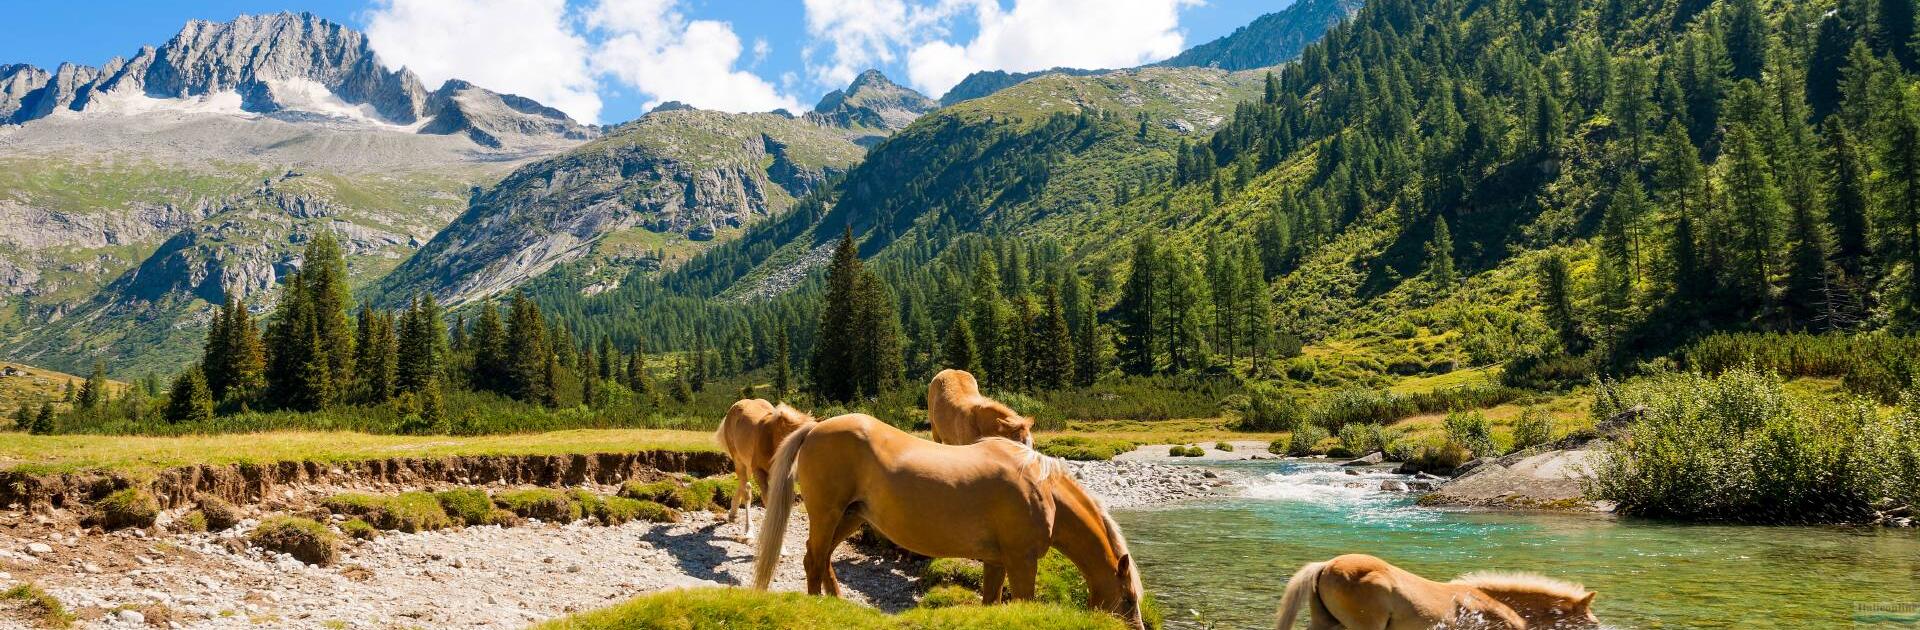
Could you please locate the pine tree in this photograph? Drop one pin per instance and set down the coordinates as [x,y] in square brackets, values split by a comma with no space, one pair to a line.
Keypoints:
[1054,347]
[682,392]
[637,372]
[1807,278]
[43,423]
[374,366]
[609,359]
[1893,32]
[1135,314]
[550,382]
[1185,317]
[489,371]
[433,403]
[1757,204]
[527,353]
[214,354]
[782,365]
[422,345]
[310,343]
[698,380]
[189,400]
[1556,302]
[22,417]
[988,320]
[958,351]
[1257,313]
[1680,181]
[93,393]
[1746,39]
[877,360]
[1846,196]
[835,348]
[1440,255]
[1896,188]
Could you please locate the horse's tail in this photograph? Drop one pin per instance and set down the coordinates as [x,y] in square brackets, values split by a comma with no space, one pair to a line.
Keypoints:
[779,499]
[1304,587]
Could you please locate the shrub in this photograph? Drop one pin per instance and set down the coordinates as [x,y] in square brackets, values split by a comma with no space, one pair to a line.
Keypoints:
[1359,440]
[1401,449]
[195,521]
[1534,428]
[1357,405]
[304,539]
[220,514]
[1178,450]
[1545,372]
[714,493]
[408,512]
[951,572]
[46,608]
[616,510]
[1304,441]
[468,506]
[1442,457]
[1736,447]
[356,528]
[949,595]
[1269,409]
[1083,448]
[1470,431]
[128,507]
[545,504]
[1877,365]
[1223,446]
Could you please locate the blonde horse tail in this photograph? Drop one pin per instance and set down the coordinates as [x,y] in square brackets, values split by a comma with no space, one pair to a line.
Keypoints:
[1304,587]
[778,496]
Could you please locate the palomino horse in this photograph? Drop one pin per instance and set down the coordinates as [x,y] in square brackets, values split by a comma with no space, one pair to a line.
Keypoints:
[996,501]
[960,415]
[750,434]
[1360,591]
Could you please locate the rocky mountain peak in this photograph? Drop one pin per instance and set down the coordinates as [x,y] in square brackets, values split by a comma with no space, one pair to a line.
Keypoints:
[872,107]
[292,66]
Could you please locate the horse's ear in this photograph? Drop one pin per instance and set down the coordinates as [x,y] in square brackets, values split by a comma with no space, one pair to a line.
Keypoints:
[1585,602]
[1126,568]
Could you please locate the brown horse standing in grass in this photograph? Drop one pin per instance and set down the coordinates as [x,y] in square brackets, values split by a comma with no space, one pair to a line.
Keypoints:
[960,415]
[750,434]
[1361,592]
[996,501]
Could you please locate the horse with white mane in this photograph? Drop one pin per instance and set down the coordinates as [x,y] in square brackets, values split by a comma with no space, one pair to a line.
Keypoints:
[996,501]
[1359,591]
[751,432]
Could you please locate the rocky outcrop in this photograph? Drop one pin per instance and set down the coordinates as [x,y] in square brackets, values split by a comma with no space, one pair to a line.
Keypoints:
[989,82]
[688,174]
[1272,39]
[290,66]
[872,108]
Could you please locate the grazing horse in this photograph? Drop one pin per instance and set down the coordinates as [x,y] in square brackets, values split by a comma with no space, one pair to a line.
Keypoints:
[1363,592]
[996,501]
[750,434]
[960,415]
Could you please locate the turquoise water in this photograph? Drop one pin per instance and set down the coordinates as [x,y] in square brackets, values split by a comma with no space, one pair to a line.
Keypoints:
[1223,563]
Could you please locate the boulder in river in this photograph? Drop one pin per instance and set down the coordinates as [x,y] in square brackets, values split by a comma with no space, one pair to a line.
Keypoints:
[1375,457]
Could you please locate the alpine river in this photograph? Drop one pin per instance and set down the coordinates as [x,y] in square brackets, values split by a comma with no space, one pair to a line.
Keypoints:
[1222,563]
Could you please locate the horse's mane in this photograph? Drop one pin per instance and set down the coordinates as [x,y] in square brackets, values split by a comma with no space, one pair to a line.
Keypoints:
[1047,466]
[790,413]
[1512,582]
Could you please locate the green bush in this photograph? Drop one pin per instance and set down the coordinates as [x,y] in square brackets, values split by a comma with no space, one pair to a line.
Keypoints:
[46,608]
[1186,450]
[713,493]
[1083,448]
[1470,430]
[546,504]
[1402,449]
[949,595]
[1223,446]
[1736,447]
[1547,372]
[951,572]
[357,528]
[304,539]
[616,510]
[220,514]
[1359,440]
[1534,428]
[195,522]
[128,507]
[468,506]
[408,512]
[1305,441]
[1880,366]
[1269,408]
[1278,446]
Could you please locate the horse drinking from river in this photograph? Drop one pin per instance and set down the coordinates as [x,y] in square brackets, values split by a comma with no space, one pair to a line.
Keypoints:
[1363,592]
[996,501]
[751,432]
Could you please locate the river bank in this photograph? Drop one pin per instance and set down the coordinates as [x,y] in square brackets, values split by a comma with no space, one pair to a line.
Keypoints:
[482,576]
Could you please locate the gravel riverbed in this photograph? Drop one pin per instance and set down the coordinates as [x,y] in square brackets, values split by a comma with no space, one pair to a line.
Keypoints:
[478,577]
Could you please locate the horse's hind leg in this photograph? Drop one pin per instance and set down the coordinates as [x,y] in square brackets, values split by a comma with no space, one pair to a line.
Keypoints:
[742,498]
[992,578]
[823,536]
[1021,574]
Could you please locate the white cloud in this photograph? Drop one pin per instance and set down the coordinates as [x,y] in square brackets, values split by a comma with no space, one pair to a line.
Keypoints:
[1029,35]
[524,47]
[651,46]
[861,33]
[1040,34]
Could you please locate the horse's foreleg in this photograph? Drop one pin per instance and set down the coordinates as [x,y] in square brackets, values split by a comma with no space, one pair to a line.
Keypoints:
[742,499]
[992,578]
[1021,574]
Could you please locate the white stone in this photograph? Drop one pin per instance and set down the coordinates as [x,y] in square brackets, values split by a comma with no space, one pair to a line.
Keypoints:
[132,616]
[40,548]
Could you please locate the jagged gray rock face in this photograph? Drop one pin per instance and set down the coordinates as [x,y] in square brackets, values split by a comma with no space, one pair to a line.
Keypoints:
[872,107]
[272,61]
[1272,39]
[681,174]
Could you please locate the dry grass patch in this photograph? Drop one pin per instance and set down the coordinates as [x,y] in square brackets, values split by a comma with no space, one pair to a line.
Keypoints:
[44,608]
[136,454]
[305,539]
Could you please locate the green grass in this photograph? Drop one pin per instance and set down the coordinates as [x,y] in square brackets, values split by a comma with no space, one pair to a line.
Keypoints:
[1083,448]
[302,538]
[128,507]
[740,609]
[133,454]
[43,607]
[547,504]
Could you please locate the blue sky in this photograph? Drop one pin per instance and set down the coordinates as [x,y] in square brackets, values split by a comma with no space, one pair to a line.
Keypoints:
[609,60]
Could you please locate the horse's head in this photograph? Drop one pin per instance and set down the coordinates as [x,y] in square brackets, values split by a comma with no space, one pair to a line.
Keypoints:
[1131,594]
[998,420]
[1543,602]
